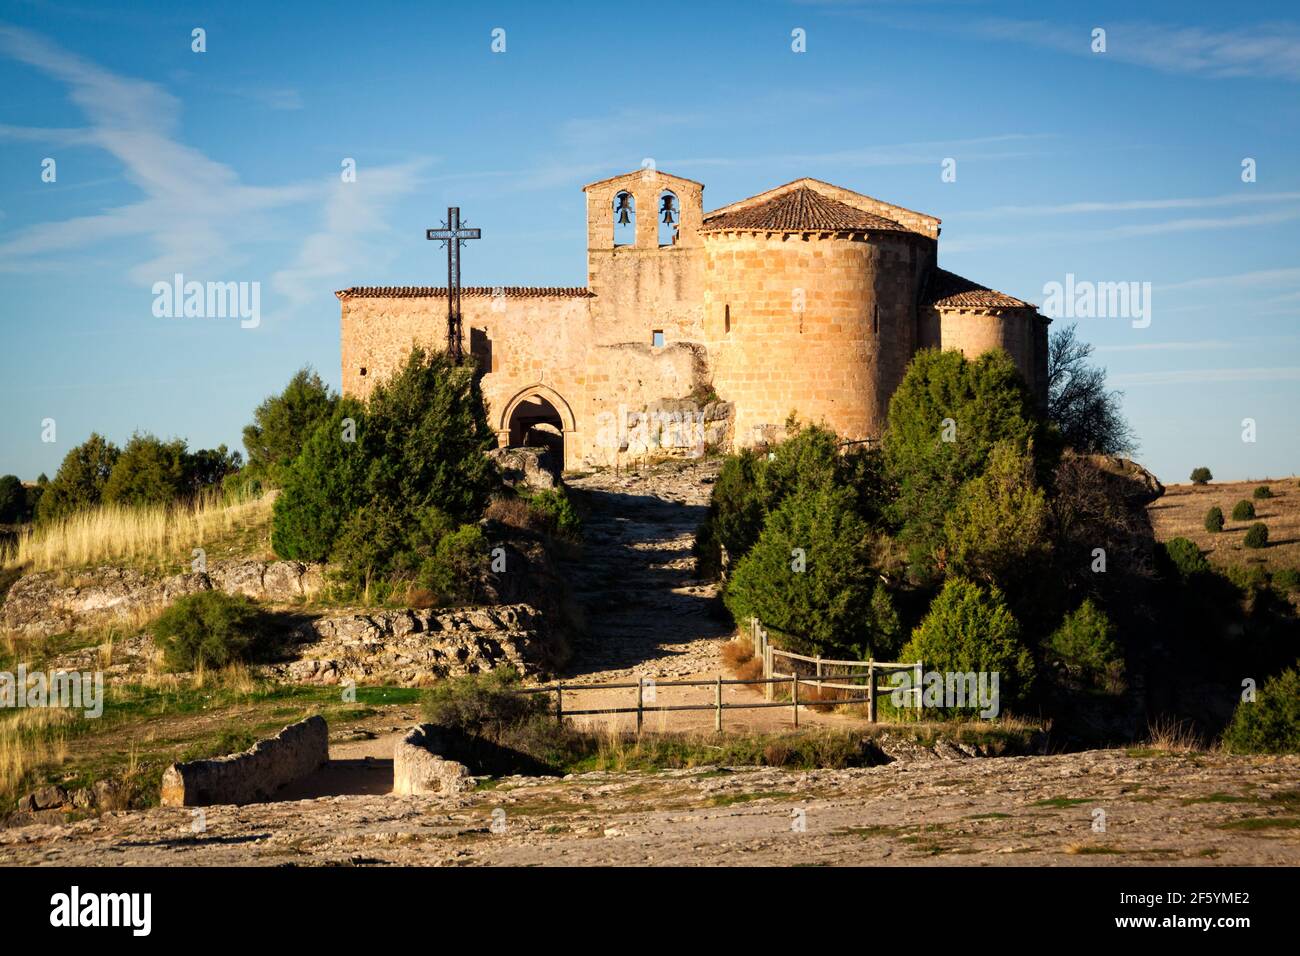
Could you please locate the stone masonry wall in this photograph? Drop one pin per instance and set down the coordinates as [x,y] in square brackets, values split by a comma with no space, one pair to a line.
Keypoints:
[973,332]
[823,327]
[530,345]
[419,767]
[253,775]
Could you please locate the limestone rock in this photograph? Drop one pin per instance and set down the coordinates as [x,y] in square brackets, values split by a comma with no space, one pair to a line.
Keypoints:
[1141,486]
[50,602]
[411,647]
[533,468]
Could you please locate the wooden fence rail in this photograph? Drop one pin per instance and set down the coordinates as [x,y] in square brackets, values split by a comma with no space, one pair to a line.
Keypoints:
[768,654]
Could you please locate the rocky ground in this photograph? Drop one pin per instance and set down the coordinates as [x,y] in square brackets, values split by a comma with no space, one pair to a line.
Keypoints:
[1093,808]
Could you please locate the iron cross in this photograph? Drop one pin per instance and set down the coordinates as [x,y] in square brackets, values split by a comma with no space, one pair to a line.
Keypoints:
[453,234]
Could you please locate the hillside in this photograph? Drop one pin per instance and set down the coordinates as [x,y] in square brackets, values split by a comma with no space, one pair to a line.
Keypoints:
[1180,512]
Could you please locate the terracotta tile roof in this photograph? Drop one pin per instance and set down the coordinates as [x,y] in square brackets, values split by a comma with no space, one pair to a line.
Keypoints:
[806,181]
[440,292]
[801,210]
[947,290]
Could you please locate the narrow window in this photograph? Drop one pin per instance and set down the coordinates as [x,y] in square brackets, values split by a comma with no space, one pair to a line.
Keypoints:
[657,338]
[624,219]
[726,318]
[670,213]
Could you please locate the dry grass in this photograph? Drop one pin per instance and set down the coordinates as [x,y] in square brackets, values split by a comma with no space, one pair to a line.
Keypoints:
[30,738]
[511,512]
[123,535]
[1180,513]
[1173,736]
[738,655]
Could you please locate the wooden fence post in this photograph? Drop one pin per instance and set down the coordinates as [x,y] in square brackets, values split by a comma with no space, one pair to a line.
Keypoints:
[640,697]
[717,702]
[919,676]
[871,691]
[794,690]
[819,675]
[767,669]
[559,704]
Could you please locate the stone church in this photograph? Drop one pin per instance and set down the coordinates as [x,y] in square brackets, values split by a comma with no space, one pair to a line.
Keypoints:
[702,329]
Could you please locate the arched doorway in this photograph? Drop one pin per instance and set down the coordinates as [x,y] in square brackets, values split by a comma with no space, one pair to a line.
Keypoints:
[537,423]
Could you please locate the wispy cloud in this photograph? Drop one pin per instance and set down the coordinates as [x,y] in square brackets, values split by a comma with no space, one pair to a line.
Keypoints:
[975,243]
[1132,205]
[194,212]
[1206,376]
[1265,50]
[355,217]
[1204,345]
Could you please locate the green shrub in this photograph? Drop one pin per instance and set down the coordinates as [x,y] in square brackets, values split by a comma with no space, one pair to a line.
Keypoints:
[1214,519]
[282,424]
[493,729]
[482,705]
[1243,511]
[456,566]
[149,471]
[1263,491]
[735,516]
[1085,647]
[750,487]
[986,402]
[969,628]
[13,500]
[1256,535]
[79,482]
[1186,557]
[212,629]
[378,505]
[323,488]
[1201,476]
[1248,577]
[554,511]
[1287,579]
[1271,723]
[997,533]
[829,607]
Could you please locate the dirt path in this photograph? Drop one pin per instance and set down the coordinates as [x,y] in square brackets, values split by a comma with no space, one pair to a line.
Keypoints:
[647,614]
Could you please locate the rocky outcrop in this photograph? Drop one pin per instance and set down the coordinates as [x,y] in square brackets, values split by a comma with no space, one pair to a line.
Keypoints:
[419,767]
[52,602]
[410,647]
[676,427]
[251,776]
[1139,485]
[534,469]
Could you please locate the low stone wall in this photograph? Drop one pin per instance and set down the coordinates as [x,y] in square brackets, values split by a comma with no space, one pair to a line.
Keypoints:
[419,768]
[251,776]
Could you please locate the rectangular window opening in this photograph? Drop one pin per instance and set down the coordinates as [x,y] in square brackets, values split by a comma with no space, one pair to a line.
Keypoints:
[726,318]
[657,338]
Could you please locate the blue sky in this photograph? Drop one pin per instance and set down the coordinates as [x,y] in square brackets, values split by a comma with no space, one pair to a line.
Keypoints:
[225,166]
